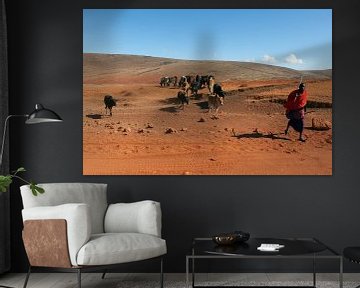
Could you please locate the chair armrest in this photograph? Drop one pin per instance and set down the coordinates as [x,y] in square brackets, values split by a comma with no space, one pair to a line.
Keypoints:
[138,217]
[77,218]
[52,250]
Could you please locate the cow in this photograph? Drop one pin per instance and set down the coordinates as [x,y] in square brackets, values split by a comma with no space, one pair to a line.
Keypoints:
[204,80]
[183,98]
[195,87]
[173,80]
[186,87]
[214,102]
[218,90]
[165,81]
[183,84]
[109,103]
[190,79]
[181,81]
[211,83]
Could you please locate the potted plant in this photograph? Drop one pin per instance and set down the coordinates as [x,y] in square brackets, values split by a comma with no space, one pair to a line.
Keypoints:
[6,180]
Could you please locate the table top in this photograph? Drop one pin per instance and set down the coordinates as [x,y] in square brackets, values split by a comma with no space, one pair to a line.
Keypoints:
[293,247]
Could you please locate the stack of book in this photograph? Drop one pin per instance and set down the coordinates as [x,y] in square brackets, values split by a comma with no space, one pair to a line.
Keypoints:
[270,247]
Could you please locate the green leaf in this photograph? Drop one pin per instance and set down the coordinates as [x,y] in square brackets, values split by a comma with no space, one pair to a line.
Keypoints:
[36,189]
[39,189]
[20,169]
[5,182]
[32,187]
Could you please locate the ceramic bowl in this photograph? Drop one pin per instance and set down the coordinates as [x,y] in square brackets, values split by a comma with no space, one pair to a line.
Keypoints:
[225,239]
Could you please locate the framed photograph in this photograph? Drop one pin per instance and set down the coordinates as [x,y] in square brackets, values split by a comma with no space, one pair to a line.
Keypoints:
[207,92]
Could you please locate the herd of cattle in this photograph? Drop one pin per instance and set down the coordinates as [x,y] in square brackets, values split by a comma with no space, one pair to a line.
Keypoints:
[185,84]
[190,82]
[194,84]
[197,80]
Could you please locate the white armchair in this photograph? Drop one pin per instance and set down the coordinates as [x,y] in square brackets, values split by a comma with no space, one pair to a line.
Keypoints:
[72,228]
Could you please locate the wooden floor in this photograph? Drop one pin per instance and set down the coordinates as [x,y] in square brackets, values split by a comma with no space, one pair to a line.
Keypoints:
[116,280]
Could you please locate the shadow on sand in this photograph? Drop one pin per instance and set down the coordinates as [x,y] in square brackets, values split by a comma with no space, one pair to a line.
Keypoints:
[198,96]
[203,105]
[94,116]
[170,100]
[317,129]
[255,135]
[170,109]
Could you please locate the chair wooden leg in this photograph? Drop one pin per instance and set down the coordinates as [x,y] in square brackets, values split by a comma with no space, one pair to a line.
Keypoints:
[79,277]
[161,273]
[103,275]
[27,277]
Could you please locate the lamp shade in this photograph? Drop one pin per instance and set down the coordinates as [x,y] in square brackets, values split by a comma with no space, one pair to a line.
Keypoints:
[42,115]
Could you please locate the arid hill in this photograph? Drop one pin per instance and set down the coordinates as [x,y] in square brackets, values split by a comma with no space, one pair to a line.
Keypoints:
[117,68]
[327,73]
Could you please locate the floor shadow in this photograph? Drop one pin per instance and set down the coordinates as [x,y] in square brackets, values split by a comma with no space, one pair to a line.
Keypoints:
[255,135]
[94,116]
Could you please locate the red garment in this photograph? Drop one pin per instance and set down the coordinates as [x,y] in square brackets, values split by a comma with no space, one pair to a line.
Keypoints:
[296,102]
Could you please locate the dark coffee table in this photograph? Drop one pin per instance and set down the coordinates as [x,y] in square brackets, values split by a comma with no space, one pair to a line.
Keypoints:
[294,248]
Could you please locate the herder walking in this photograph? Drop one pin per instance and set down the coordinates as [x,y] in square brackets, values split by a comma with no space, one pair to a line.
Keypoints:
[295,110]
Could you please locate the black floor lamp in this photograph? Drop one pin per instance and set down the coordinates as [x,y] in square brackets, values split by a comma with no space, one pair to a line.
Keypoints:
[39,115]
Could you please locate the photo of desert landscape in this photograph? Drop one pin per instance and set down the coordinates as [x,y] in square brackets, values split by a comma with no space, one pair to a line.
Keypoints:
[163,96]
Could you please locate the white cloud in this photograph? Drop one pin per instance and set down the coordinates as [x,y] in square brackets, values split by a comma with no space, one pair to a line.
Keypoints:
[292,59]
[268,59]
[249,60]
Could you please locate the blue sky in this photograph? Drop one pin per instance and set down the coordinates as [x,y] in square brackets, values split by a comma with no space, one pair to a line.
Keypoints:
[294,38]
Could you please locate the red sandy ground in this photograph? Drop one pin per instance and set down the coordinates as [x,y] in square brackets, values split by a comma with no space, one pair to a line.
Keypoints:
[247,137]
